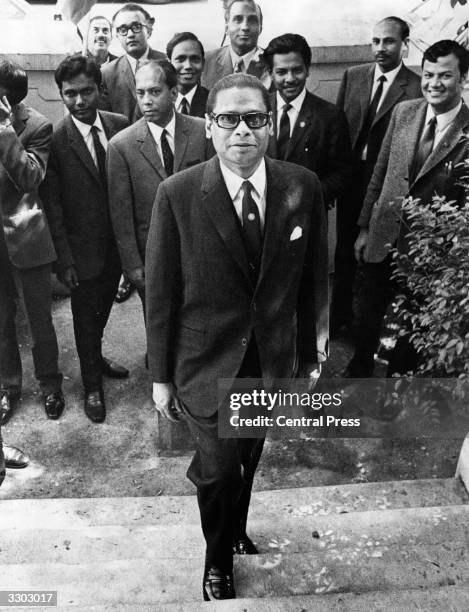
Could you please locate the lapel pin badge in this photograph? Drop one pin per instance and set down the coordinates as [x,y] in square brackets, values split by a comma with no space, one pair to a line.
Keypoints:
[302,124]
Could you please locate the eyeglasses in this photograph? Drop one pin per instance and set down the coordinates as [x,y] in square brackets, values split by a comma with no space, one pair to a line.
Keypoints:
[229,121]
[136,28]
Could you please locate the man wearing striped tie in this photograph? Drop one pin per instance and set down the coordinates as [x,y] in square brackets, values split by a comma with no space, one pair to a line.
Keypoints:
[420,156]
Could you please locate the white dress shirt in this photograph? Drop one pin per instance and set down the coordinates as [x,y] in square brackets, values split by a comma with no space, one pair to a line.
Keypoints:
[234,184]
[293,113]
[189,97]
[390,76]
[245,59]
[85,131]
[157,131]
[133,62]
[443,121]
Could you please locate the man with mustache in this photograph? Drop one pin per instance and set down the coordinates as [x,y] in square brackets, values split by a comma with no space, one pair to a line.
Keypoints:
[98,40]
[367,94]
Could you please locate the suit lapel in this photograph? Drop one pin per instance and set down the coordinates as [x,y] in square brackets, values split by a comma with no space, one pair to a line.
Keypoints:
[181,139]
[109,126]
[365,87]
[148,147]
[276,214]
[450,140]
[77,144]
[413,129]
[302,125]
[394,94]
[219,207]
[127,76]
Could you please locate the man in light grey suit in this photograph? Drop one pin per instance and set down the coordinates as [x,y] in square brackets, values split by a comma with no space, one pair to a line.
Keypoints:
[140,157]
[425,142]
[243,25]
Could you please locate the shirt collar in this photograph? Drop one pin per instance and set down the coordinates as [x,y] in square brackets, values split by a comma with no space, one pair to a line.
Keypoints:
[85,128]
[133,62]
[297,103]
[444,119]
[390,76]
[157,130]
[252,55]
[189,96]
[233,181]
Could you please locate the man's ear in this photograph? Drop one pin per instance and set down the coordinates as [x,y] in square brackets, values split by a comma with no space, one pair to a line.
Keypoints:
[208,127]
[405,47]
[271,125]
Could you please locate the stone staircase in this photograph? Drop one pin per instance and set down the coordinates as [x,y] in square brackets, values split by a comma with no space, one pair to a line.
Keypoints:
[375,546]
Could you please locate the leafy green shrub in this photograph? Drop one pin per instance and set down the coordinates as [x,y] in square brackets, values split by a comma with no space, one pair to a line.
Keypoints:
[434,305]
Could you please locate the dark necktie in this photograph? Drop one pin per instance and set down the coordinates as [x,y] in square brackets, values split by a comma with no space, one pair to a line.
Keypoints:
[100,155]
[283,132]
[424,148]
[184,106]
[370,115]
[238,67]
[251,227]
[168,158]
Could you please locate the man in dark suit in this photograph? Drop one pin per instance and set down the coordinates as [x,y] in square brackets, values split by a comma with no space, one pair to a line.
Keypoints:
[76,201]
[98,39]
[140,157]
[368,94]
[243,25]
[186,53]
[425,142]
[133,25]
[307,130]
[236,288]
[26,248]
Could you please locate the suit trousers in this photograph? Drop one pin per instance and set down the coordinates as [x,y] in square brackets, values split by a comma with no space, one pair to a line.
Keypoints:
[91,304]
[223,471]
[345,264]
[34,285]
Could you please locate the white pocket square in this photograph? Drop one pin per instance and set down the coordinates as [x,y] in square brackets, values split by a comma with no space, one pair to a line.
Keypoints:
[296,233]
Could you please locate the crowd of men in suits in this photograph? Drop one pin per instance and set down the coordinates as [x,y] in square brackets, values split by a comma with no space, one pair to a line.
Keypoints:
[220,225]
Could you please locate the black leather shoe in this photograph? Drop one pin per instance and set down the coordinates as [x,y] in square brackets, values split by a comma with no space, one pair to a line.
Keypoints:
[245,546]
[94,406]
[218,585]
[8,404]
[14,457]
[111,369]
[124,292]
[54,404]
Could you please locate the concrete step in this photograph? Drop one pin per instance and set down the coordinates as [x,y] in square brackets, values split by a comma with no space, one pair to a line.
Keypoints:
[447,599]
[159,581]
[352,535]
[268,506]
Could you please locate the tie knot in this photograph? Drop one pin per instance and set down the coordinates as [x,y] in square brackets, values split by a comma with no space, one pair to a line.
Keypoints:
[247,187]
[287,107]
[432,122]
[382,79]
[95,129]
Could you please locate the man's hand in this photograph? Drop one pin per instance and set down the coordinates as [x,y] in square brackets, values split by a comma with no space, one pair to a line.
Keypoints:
[360,244]
[166,401]
[136,277]
[69,277]
[311,371]
[5,111]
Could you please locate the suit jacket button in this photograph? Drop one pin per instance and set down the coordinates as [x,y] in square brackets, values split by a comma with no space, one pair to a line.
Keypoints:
[244,341]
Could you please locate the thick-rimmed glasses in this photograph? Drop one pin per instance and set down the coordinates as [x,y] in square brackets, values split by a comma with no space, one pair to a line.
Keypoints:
[136,28]
[229,121]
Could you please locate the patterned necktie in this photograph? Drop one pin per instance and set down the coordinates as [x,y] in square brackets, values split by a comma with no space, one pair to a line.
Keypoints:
[251,227]
[184,107]
[168,157]
[424,148]
[238,67]
[283,132]
[100,155]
